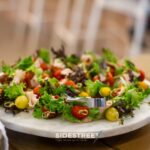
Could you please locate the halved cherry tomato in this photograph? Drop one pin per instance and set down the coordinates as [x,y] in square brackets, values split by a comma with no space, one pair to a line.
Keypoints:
[110,78]
[142,75]
[80,112]
[44,66]
[57,74]
[71,83]
[36,90]
[95,78]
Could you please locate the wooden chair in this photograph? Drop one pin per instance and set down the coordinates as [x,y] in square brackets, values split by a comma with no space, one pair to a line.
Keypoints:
[70,36]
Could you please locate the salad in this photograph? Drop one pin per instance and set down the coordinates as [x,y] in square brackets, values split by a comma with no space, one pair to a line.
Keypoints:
[78,88]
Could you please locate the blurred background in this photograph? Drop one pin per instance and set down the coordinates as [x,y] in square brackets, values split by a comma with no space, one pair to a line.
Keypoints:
[120,25]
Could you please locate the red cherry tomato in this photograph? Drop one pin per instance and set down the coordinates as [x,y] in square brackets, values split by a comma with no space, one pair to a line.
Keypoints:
[71,83]
[44,66]
[142,75]
[110,78]
[57,74]
[80,112]
[95,78]
[36,90]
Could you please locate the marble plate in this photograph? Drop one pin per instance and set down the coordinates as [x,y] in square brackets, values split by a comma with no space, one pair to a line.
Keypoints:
[57,127]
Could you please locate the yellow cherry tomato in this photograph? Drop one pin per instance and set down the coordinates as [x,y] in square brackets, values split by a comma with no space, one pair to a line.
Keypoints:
[105,91]
[84,94]
[112,114]
[142,85]
[21,102]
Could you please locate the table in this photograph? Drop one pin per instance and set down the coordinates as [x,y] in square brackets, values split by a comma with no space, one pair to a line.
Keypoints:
[138,139]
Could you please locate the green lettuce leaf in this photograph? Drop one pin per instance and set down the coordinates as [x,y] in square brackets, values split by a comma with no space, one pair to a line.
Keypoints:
[9,70]
[94,114]
[133,97]
[53,81]
[44,54]
[37,113]
[14,91]
[68,115]
[60,90]
[93,87]
[95,70]
[130,65]
[73,59]
[48,102]
[24,63]
[109,56]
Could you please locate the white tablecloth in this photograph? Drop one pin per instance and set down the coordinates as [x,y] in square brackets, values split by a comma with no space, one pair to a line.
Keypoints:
[4,142]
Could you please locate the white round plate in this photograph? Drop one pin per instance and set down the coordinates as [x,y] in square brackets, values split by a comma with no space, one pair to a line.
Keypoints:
[24,122]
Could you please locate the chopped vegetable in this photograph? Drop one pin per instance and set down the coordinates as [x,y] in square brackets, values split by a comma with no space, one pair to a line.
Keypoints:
[80,112]
[95,69]
[44,66]
[92,88]
[143,85]
[81,89]
[142,75]
[21,102]
[97,77]
[44,54]
[130,65]
[105,91]
[112,114]
[70,83]
[57,73]
[9,70]
[14,91]
[84,94]
[36,90]
[133,98]
[109,56]
[73,59]
[110,79]
[24,63]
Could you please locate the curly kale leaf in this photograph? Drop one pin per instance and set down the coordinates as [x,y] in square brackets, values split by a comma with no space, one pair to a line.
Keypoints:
[14,91]
[52,104]
[37,113]
[133,96]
